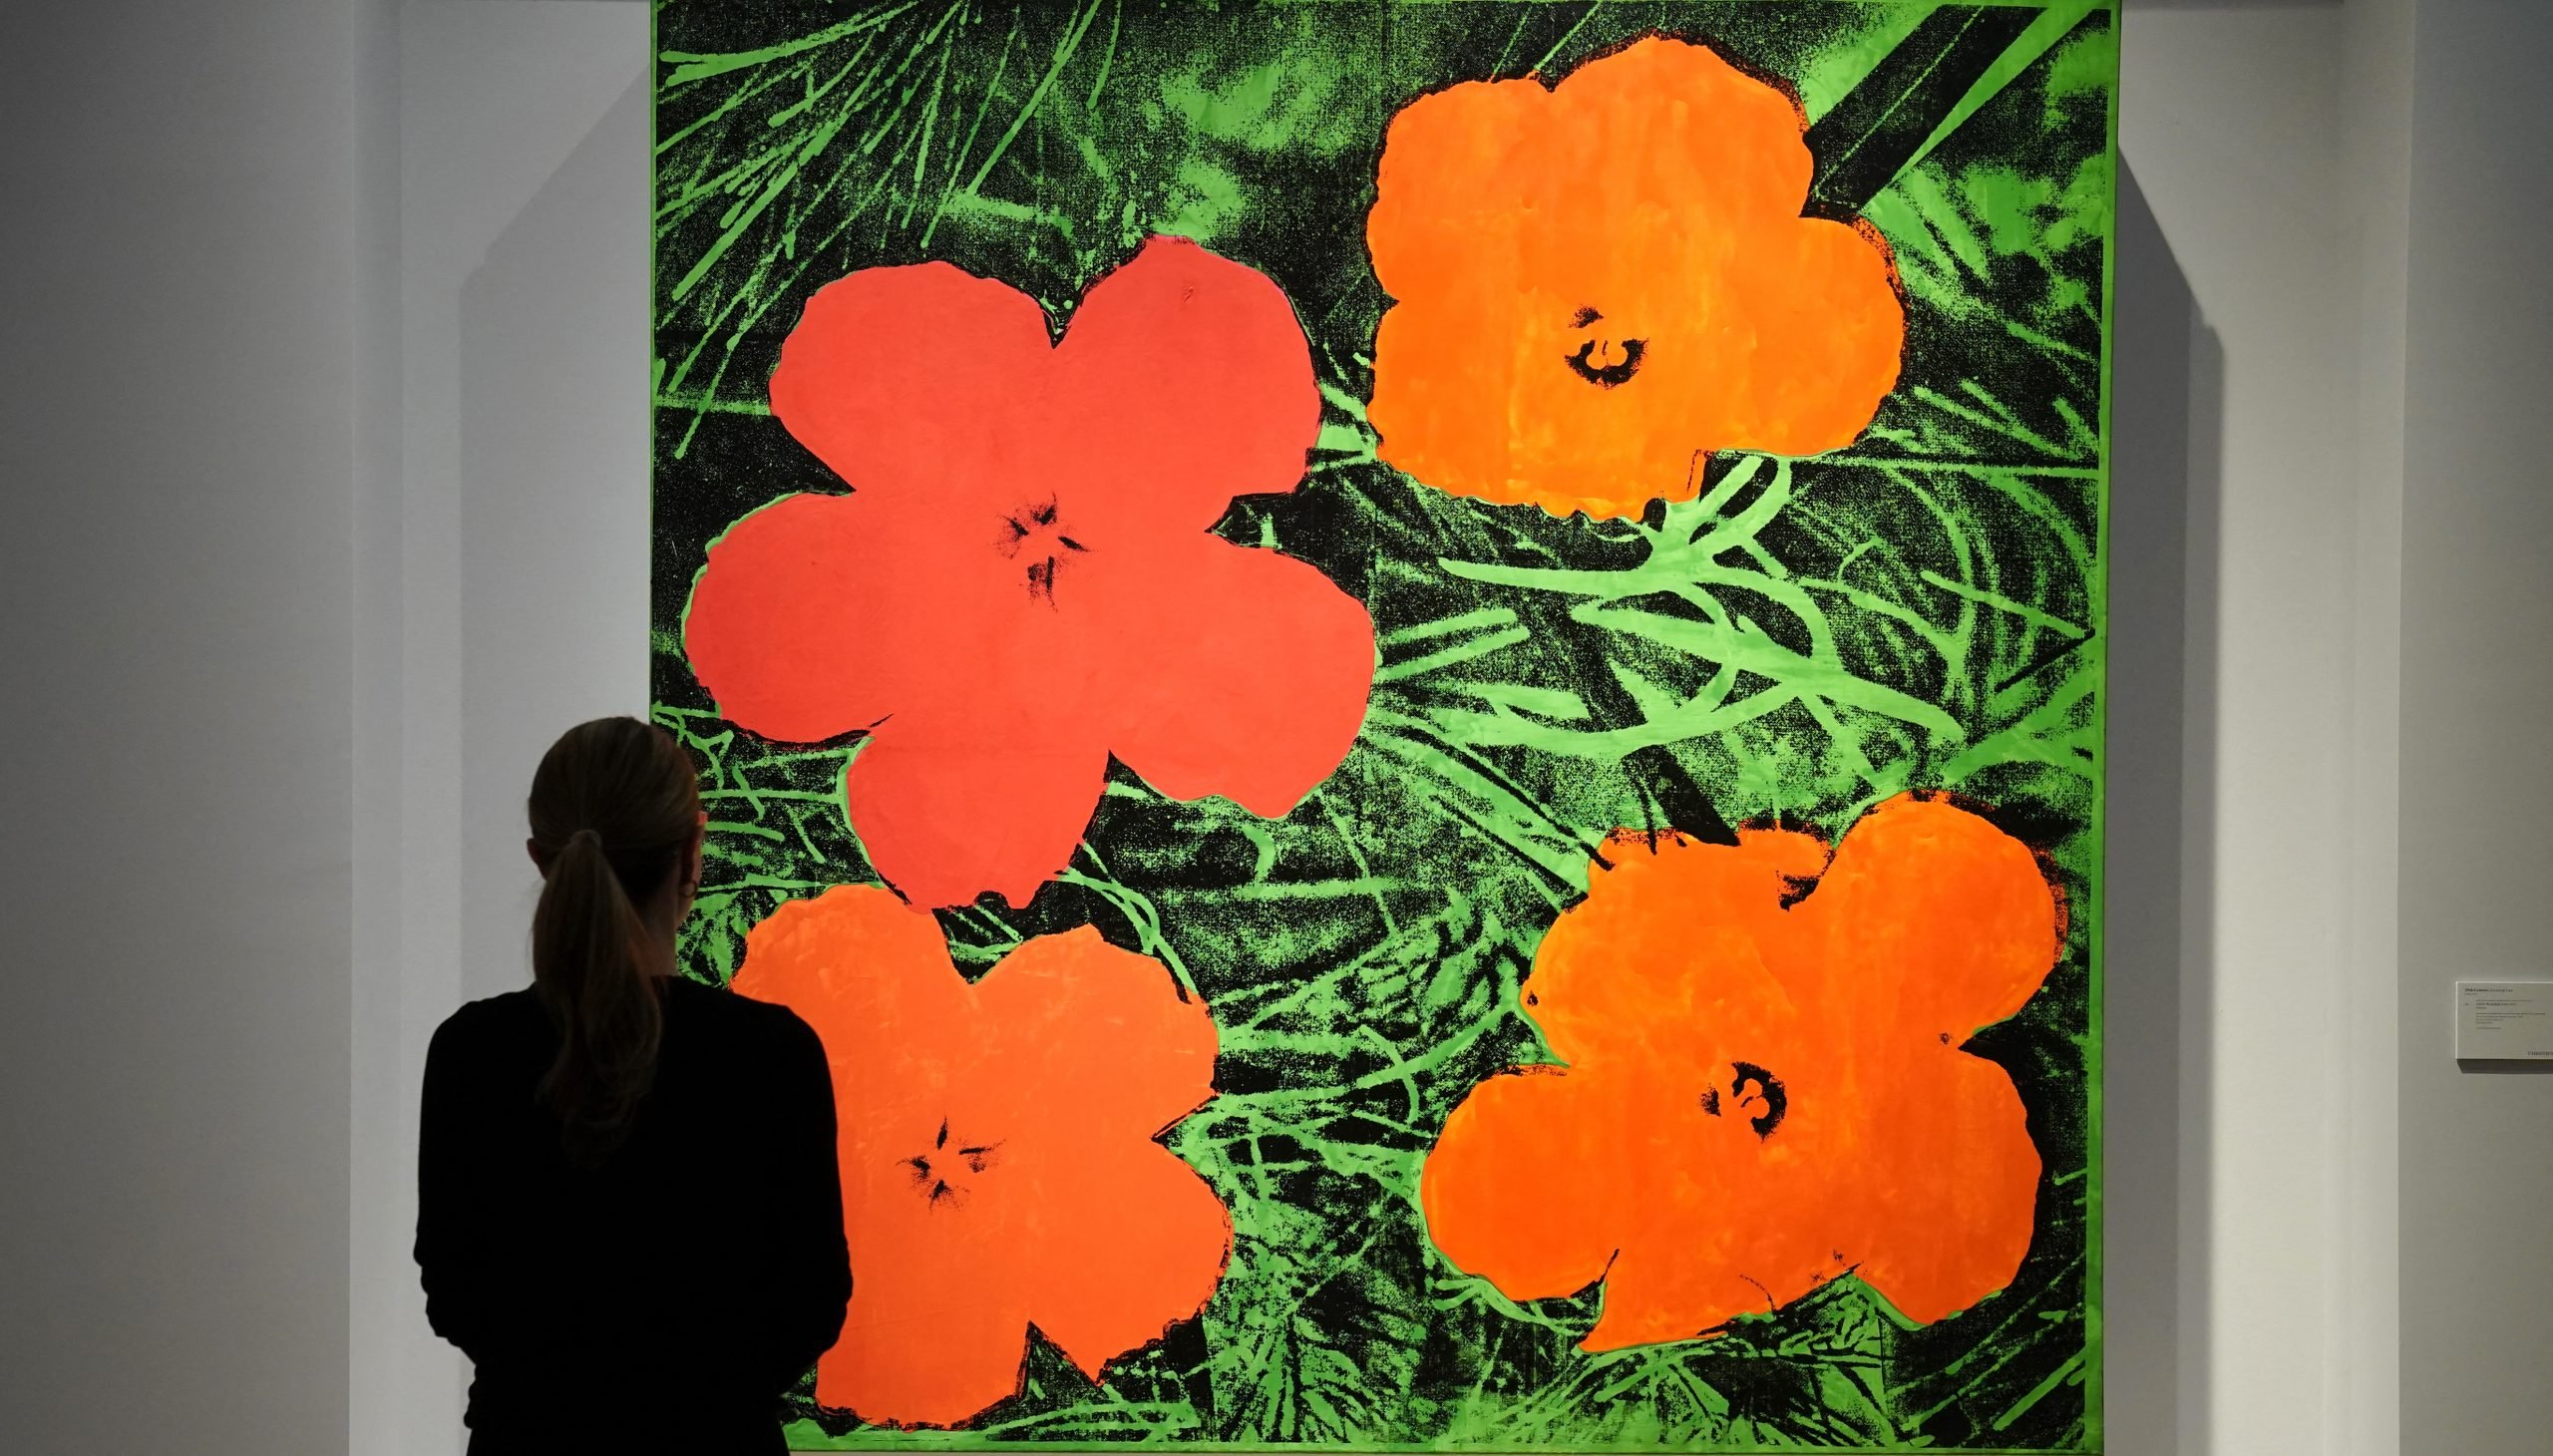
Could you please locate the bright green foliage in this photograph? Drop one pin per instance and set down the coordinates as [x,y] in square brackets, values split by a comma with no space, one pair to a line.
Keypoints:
[1810,637]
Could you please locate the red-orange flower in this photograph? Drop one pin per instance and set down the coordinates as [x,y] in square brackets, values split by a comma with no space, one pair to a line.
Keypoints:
[1596,283]
[1763,1083]
[1024,581]
[999,1166]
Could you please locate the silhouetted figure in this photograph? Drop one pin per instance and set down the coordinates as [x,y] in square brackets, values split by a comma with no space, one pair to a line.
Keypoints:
[630,1215]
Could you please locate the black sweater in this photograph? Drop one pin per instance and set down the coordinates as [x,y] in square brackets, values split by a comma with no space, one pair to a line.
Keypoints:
[667,1299]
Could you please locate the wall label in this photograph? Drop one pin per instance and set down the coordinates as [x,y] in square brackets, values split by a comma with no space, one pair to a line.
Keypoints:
[2503,1020]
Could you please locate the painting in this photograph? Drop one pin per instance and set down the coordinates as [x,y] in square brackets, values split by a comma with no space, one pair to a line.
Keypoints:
[1415,691]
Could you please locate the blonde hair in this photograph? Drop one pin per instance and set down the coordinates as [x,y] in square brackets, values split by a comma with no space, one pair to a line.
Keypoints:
[614,807]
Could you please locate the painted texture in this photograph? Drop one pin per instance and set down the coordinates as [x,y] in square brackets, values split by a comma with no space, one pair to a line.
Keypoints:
[1337,760]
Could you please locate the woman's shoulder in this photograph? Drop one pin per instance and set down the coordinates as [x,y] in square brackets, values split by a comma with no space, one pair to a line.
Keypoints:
[498,1015]
[493,1038]
[742,1015]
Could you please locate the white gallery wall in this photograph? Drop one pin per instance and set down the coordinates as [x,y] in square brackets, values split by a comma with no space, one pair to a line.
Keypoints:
[2477,692]
[2240,136]
[323,458]
[188,243]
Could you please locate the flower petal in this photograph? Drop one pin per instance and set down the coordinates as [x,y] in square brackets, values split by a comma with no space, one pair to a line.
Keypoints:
[1811,341]
[1655,1293]
[1236,671]
[951,805]
[1130,1242]
[1530,1181]
[794,624]
[1758,1217]
[1092,1041]
[1184,381]
[1668,946]
[936,1330]
[1948,1190]
[917,381]
[871,975]
[1936,921]
[938,1327]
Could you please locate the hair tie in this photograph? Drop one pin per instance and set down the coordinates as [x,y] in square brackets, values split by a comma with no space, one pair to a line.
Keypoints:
[586,833]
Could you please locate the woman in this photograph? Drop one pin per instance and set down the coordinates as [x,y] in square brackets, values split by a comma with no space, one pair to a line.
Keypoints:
[630,1216]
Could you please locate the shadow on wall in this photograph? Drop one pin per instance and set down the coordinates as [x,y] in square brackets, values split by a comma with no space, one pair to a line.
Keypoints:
[2166,505]
[554,510]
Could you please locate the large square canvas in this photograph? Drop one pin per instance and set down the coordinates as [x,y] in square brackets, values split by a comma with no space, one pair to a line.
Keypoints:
[1415,690]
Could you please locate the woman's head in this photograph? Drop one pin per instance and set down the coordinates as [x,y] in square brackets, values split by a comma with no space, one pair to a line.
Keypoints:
[615,829]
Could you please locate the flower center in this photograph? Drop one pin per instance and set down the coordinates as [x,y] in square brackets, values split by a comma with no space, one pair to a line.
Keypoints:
[946,1175]
[1034,535]
[1605,359]
[1754,1094]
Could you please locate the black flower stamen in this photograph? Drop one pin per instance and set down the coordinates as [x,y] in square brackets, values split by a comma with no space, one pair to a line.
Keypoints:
[1768,1090]
[936,1175]
[1606,376]
[1045,555]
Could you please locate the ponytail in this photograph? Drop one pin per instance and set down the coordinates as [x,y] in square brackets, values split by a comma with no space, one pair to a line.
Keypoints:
[585,961]
[613,809]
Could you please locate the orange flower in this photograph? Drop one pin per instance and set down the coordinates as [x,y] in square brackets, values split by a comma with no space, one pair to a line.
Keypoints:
[1763,1091]
[998,1162]
[1600,281]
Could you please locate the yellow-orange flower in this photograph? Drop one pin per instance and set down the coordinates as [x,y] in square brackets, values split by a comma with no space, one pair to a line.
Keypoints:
[1763,1083]
[1598,283]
